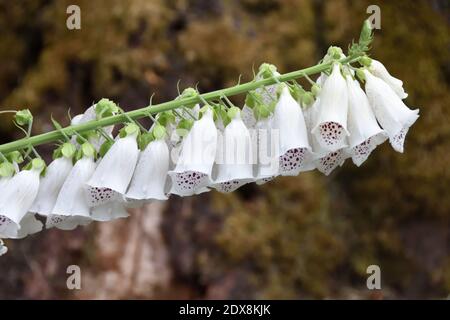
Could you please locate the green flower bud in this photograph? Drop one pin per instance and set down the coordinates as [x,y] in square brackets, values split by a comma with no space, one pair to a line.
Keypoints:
[129,129]
[365,61]
[334,52]
[23,117]
[105,108]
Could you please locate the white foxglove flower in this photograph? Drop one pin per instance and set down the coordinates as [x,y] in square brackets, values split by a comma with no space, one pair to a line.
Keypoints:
[28,225]
[150,175]
[114,172]
[324,160]
[392,114]
[365,133]
[16,198]
[192,173]
[380,71]
[288,119]
[330,128]
[3,248]
[109,211]
[71,207]
[234,160]
[50,185]
[268,164]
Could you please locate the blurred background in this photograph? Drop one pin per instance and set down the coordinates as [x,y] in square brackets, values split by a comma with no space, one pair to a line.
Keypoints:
[309,236]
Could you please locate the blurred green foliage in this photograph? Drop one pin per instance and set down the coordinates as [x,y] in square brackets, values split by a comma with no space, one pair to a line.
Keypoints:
[303,237]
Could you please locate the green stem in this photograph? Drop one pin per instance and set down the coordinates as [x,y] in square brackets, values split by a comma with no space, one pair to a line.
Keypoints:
[170,105]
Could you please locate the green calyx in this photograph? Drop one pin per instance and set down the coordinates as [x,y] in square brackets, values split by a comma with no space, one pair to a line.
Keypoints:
[105,108]
[262,111]
[360,74]
[38,164]
[104,148]
[315,89]
[6,170]
[184,126]
[87,150]
[23,117]
[233,112]
[144,139]
[165,118]
[308,98]
[15,157]
[66,150]
[159,132]
[129,130]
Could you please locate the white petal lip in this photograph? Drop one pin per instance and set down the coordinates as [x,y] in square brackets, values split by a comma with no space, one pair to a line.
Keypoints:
[109,211]
[28,225]
[392,114]
[192,173]
[150,174]
[380,71]
[294,149]
[50,186]
[116,168]
[365,133]
[16,198]
[330,127]
[71,199]
[234,160]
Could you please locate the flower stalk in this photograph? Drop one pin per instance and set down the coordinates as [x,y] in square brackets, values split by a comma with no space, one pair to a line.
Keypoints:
[170,105]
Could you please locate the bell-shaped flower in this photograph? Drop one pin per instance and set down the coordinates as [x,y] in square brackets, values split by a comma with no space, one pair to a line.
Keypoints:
[28,225]
[55,176]
[268,147]
[365,133]
[234,158]
[324,160]
[330,128]
[109,211]
[150,175]
[17,196]
[380,71]
[71,207]
[294,150]
[392,114]
[192,173]
[115,170]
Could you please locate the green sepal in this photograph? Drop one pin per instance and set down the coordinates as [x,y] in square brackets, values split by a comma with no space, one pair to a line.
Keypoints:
[38,164]
[129,129]
[233,112]
[15,157]
[360,74]
[297,92]
[307,98]
[87,150]
[68,150]
[23,117]
[159,132]
[104,148]
[144,139]
[184,126]
[7,169]
[166,117]
[315,89]
[261,111]
[266,70]
[250,101]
